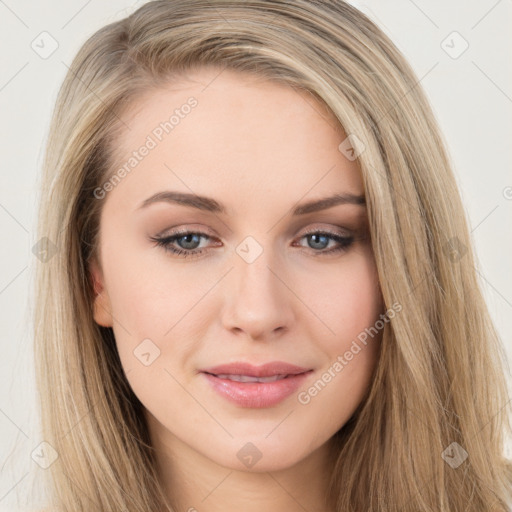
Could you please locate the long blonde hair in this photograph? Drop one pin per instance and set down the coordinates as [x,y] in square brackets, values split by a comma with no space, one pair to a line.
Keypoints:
[440,378]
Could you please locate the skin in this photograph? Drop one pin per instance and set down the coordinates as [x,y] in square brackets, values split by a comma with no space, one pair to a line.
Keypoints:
[259,148]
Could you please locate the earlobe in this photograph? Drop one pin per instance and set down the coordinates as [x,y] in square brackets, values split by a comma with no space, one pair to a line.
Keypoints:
[102,310]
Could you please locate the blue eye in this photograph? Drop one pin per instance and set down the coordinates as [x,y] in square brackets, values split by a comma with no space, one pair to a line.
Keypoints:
[189,241]
[186,243]
[320,239]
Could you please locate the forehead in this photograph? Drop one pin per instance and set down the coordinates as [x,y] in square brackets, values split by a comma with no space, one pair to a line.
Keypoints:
[244,133]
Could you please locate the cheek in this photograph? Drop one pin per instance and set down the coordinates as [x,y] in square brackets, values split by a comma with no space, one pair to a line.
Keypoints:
[351,309]
[151,296]
[349,300]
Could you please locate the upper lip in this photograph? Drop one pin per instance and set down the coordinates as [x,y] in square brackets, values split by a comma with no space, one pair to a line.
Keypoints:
[265,370]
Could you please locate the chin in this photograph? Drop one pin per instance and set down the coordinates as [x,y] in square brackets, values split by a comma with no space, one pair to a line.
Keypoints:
[257,454]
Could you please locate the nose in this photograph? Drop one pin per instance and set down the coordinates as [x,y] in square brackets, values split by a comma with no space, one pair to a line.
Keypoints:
[258,301]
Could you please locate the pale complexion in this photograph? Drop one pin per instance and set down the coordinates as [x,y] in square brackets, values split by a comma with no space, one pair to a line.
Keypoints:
[260,149]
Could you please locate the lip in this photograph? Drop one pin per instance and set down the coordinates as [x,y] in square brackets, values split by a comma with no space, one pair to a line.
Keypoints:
[264,370]
[256,395]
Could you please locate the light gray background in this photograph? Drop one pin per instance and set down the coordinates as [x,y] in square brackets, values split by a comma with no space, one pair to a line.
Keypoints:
[471,96]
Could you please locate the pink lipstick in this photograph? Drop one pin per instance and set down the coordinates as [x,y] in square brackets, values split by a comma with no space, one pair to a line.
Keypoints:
[256,386]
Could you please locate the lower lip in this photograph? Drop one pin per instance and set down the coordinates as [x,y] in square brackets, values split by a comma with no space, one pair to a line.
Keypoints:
[256,395]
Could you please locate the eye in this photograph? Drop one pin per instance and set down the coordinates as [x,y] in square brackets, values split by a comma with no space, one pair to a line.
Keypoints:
[321,239]
[187,243]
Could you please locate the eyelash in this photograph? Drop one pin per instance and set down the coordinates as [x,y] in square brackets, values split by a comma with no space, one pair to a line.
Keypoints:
[165,242]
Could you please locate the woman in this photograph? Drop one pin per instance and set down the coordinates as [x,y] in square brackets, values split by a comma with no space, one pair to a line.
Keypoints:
[262,292]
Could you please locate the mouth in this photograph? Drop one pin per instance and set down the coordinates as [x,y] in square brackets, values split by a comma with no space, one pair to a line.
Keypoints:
[256,387]
[250,378]
[279,369]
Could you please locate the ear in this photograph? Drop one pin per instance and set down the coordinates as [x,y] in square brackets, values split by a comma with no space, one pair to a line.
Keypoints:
[102,308]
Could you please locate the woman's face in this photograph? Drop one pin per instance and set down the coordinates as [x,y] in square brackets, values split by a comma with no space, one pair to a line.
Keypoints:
[234,169]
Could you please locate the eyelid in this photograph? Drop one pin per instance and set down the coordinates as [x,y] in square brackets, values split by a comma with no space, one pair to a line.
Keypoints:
[332,230]
[189,228]
[171,232]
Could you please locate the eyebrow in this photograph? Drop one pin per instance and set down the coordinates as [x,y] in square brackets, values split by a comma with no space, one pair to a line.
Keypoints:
[211,205]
